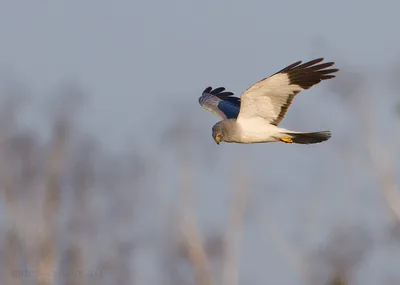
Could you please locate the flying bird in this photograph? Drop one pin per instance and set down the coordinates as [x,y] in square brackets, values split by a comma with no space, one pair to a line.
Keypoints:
[255,116]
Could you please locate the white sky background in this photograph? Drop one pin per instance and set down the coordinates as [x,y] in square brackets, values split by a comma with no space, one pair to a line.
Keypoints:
[141,60]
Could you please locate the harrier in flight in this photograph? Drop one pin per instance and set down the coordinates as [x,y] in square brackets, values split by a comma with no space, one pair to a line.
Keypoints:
[255,116]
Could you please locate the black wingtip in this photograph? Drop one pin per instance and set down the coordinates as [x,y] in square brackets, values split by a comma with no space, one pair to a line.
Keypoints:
[207,90]
[310,73]
[219,92]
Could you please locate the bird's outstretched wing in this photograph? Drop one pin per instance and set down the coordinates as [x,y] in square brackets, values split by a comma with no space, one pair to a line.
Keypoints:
[271,97]
[220,102]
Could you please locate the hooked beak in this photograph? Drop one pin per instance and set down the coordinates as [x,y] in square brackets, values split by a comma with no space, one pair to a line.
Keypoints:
[217,139]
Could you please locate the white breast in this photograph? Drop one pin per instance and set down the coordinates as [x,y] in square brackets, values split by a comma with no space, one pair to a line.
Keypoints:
[257,130]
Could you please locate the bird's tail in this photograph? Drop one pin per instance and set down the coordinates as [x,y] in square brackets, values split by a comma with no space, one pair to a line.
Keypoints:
[305,138]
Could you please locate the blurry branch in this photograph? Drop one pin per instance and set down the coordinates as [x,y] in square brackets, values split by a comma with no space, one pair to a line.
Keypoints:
[8,122]
[79,223]
[344,252]
[191,236]
[352,88]
[314,204]
[234,229]
[74,266]
[17,181]
[293,255]
[387,179]
[12,251]
[32,175]
[338,280]
[380,161]
[192,239]
[62,112]
[48,243]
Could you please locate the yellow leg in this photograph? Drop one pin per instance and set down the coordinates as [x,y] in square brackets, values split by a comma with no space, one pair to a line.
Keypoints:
[286,140]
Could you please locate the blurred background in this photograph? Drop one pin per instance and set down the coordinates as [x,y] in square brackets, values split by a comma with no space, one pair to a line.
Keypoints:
[109,173]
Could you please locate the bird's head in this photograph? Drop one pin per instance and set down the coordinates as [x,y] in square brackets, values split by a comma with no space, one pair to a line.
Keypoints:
[218,132]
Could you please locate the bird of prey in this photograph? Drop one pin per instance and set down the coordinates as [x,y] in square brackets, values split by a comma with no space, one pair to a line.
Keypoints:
[255,116]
